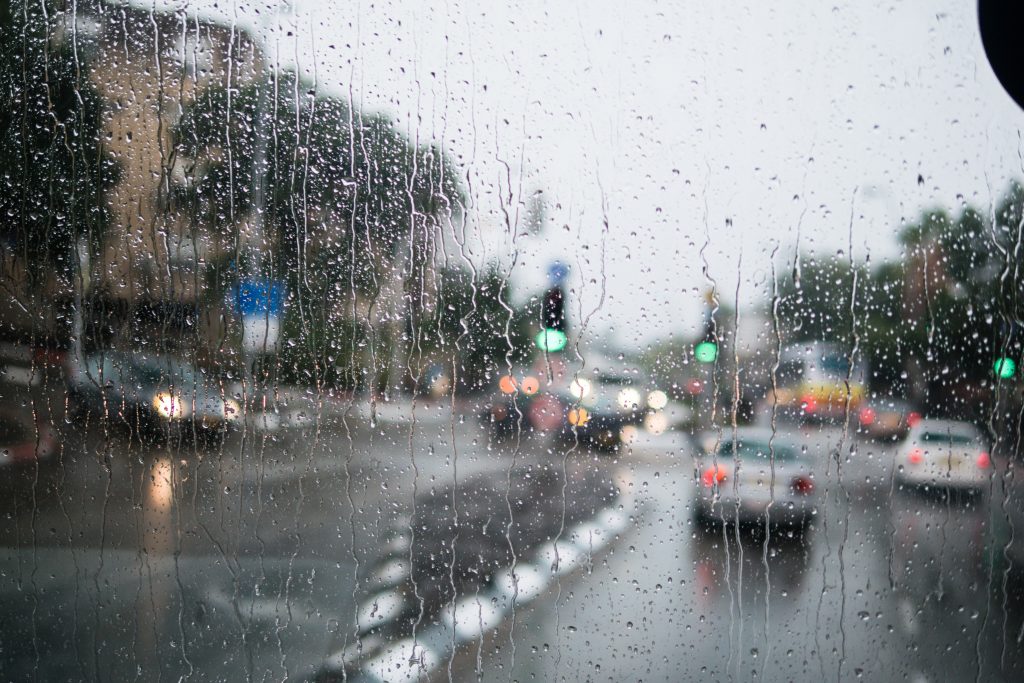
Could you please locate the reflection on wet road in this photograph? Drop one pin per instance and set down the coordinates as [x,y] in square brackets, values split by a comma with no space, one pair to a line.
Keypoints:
[879,587]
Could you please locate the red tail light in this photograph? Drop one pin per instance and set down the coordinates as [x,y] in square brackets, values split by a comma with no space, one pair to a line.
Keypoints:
[867,416]
[983,460]
[713,475]
[809,404]
[913,418]
[916,456]
[802,485]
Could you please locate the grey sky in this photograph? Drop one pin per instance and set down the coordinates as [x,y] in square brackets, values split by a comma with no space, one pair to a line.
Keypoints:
[673,123]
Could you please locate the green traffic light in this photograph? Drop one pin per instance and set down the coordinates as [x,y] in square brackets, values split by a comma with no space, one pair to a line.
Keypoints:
[551,340]
[1005,368]
[706,352]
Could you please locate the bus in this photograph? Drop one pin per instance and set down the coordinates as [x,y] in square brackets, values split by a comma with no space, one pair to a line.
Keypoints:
[812,378]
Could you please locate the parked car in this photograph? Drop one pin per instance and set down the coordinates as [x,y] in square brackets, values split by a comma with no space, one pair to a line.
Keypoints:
[944,454]
[159,394]
[725,491]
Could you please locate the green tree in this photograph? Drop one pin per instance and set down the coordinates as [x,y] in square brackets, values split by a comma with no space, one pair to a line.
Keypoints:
[54,168]
[478,326]
[324,165]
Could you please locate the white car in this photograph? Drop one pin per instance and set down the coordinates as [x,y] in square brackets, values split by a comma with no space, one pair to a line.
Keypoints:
[740,487]
[945,454]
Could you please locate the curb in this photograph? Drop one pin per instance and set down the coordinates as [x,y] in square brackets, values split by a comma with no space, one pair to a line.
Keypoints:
[470,617]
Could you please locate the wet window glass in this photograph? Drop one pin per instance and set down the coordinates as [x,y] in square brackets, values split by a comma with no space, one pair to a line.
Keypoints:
[511,341]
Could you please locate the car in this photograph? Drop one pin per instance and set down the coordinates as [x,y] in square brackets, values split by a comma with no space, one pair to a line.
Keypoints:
[886,419]
[734,480]
[23,439]
[509,408]
[158,394]
[944,454]
[596,410]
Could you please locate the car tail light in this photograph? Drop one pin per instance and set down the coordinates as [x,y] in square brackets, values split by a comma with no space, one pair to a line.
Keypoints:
[867,416]
[809,404]
[913,418]
[984,460]
[802,485]
[916,456]
[714,475]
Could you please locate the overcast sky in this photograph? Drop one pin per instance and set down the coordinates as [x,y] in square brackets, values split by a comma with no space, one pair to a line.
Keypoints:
[652,128]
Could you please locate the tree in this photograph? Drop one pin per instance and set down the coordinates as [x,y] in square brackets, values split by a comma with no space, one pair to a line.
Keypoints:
[350,209]
[333,179]
[54,167]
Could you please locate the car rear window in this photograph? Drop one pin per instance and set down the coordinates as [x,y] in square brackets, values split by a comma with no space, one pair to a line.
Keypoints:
[952,439]
[757,449]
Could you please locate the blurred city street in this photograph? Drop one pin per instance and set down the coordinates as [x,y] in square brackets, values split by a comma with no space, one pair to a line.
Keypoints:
[286,555]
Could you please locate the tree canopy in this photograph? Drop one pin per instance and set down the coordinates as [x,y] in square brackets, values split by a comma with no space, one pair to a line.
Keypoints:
[54,167]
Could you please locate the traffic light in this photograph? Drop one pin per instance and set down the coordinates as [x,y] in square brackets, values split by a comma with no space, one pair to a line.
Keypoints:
[550,340]
[1004,368]
[706,352]
[554,309]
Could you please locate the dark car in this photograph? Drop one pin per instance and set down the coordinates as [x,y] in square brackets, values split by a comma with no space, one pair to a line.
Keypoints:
[23,440]
[509,409]
[154,394]
[596,410]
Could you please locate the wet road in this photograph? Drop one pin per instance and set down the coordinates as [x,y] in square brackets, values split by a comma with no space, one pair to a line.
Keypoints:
[286,555]
[884,585]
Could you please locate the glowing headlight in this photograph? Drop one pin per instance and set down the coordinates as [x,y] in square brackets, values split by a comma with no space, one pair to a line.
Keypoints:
[580,387]
[656,423]
[629,399]
[657,399]
[232,411]
[170,406]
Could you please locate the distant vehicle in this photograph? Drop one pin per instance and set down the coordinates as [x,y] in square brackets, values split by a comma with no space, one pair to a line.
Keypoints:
[812,382]
[23,441]
[593,408]
[510,402]
[155,393]
[944,454]
[886,419]
[725,491]
[598,407]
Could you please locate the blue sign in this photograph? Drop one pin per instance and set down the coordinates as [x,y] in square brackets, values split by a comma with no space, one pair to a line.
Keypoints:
[557,272]
[259,297]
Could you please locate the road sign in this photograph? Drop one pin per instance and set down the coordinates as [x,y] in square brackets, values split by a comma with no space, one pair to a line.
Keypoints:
[260,303]
[255,297]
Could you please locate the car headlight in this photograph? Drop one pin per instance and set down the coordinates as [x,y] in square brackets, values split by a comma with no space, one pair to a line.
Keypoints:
[171,406]
[580,388]
[657,399]
[629,399]
[232,411]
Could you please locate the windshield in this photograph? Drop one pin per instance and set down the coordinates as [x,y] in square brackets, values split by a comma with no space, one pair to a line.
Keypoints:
[511,341]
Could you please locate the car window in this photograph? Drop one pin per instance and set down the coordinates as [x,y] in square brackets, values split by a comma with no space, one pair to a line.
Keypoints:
[951,439]
[759,450]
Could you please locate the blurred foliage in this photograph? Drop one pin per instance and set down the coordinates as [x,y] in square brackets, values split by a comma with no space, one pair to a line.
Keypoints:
[479,328]
[55,169]
[932,322]
[335,180]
